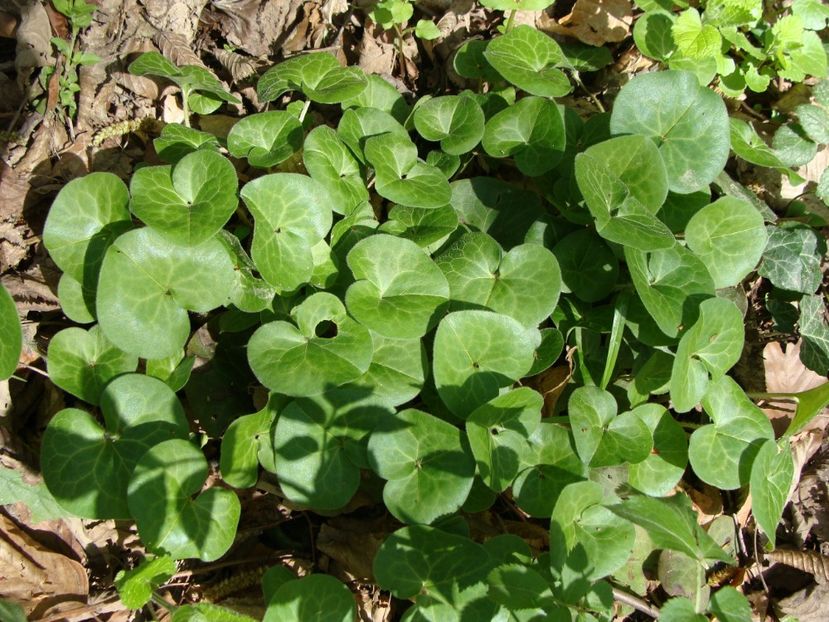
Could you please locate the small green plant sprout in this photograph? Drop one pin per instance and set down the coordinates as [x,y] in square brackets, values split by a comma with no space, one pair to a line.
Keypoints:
[513,6]
[79,15]
[394,15]
[201,91]
[731,41]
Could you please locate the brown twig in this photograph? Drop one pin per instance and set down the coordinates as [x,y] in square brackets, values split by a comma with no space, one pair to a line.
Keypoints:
[634,601]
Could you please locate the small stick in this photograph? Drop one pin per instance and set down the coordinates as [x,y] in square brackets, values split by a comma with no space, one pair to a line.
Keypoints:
[634,601]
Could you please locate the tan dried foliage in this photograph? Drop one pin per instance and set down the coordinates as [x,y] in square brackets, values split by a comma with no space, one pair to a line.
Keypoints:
[176,47]
[594,22]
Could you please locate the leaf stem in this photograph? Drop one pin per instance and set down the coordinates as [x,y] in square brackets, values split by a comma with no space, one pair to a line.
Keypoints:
[760,395]
[510,21]
[634,601]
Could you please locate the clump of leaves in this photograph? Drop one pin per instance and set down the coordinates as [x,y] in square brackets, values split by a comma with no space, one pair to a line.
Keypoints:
[403,296]
[732,41]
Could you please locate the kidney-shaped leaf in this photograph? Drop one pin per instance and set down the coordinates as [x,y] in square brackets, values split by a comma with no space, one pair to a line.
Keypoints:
[397,370]
[318,75]
[710,347]
[329,161]
[11,335]
[498,434]
[169,518]
[527,58]
[456,121]
[307,359]
[188,202]
[313,598]
[476,354]
[427,464]
[177,140]
[83,362]
[265,138]
[531,132]
[292,213]
[87,467]
[591,410]
[242,443]
[722,453]
[729,237]
[688,123]
[85,218]
[663,468]
[398,288]
[319,445]
[357,125]
[523,283]
[148,284]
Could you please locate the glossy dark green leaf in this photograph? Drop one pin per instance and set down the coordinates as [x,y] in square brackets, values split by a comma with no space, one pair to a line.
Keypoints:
[814,352]
[187,203]
[591,410]
[680,609]
[424,227]
[265,139]
[428,467]
[528,58]
[397,371]
[86,466]
[689,124]
[791,259]
[382,95]
[318,75]
[170,518]
[357,125]
[11,335]
[176,141]
[589,268]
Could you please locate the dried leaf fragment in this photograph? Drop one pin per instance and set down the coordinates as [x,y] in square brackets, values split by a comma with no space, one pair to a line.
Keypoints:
[594,22]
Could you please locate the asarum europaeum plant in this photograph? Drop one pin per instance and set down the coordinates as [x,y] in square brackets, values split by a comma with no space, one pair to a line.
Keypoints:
[401,283]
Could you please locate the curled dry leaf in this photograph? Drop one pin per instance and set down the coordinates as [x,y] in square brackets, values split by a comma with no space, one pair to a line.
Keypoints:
[808,561]
[239,67]
[179,16]
[804,192]
[176,47]
[34,48]
[594,22]
[785,373]
[258,28]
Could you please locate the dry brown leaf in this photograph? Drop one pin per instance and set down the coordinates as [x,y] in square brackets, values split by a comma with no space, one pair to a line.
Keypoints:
[36,577]
[785,373]
[551,384]
[594,22]
[808,605]
[376,56]
[352,543]
[179,16]
[34,47]
[239,67]
[176,47]
[258,28]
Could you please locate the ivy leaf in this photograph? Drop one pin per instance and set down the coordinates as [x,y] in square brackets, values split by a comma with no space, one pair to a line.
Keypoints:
[292,213]
[771,477]
[498,434]
[815,333]
[320,445]
[665,465]
[357,125]
[531,132]
[709,348]
[523,283]
[82,362]
[87,467]
[671,523]
[315,598]
[187,203]
[528,58]
[791,259]
[295,360]
[477,353]
[379,94]
[329,161]
[398,288]
[147,285]
[86,217]
[671,283]
[401,177]
[427,464]
[456,121]
[242,444]
[729,237]
[135,587]
[815,122]
[169,518]
[722,453]
[265,139]
[11,335]
[687,122]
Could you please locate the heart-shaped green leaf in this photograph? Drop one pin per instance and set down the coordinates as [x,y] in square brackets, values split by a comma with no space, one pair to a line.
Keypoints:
[398,288]
[77,303]
[265,139]
[605,539]
[771,477]
[519,588]
[626,439]
[709,348]
[722,453]
[381,95]
[189,202]
[688,123]
[85,218]
[304,360]
[427,464]
[523,283]
[320,445]
[531,132]
[292,213]
[242,443]
[791,259]
[469,62]
[135,587]
[397,371]
[313,598]
[357,125]
[671,283]
[329,161]
[11,335]
[176,141]
[189,78]
[624,184]
[147,285]
[83,362]
[476,354]
[153,64]
[456,121]
[498,434]
[652,34]
[401,177]
[591,410]
[427,228]
[250,293]
[528,58]
[318,75]
[589,268]
[729,237]
[87,467]
[169,518]
[663,468]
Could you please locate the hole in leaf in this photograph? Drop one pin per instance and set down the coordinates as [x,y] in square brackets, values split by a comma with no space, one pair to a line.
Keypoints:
[494,431]
[278,230]
[475,365]
[326,330]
